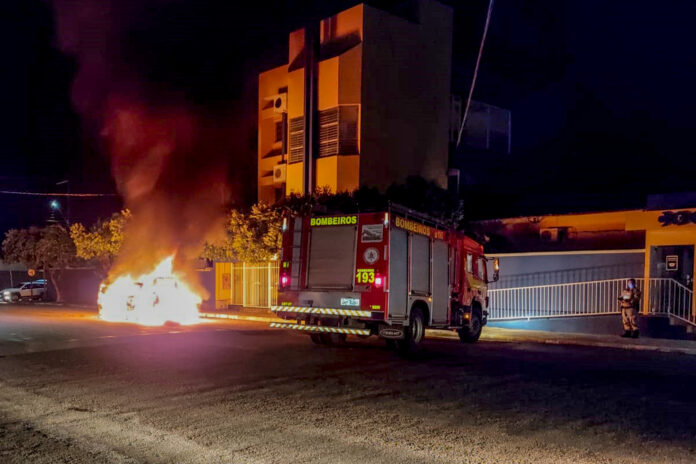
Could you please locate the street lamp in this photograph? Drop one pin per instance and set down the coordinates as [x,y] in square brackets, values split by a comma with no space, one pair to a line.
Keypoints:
[55,208]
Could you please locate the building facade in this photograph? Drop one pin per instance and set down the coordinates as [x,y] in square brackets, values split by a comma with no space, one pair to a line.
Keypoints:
[383,103]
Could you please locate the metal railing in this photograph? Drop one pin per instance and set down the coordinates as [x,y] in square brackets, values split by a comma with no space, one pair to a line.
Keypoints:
[667,296]
[664,296]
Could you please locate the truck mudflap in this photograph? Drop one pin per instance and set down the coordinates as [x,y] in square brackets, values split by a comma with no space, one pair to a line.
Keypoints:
[325,311]
[392,332]
[320,328]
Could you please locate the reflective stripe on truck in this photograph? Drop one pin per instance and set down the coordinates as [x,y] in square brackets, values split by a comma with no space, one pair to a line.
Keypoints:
[327,311]
[320,328]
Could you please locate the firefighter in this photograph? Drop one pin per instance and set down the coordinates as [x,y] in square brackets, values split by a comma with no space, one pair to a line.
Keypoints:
[630,304]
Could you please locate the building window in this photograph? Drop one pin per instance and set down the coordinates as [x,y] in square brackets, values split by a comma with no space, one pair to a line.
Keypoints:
[296,140]
[338,131]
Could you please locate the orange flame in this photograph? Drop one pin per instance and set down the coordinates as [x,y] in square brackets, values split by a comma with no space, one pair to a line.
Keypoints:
[151,299]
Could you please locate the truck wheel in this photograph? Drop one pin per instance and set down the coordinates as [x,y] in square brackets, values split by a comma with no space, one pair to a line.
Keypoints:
[472,333]
[415,333]
[316,339]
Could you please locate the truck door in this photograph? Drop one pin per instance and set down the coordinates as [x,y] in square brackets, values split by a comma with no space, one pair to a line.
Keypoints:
[420,265]
[398,273]
[440,294]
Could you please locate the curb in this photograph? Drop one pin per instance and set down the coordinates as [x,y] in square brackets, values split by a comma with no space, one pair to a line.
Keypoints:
[447,335]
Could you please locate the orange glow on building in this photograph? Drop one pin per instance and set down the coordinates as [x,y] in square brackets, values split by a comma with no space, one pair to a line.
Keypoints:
[383,90]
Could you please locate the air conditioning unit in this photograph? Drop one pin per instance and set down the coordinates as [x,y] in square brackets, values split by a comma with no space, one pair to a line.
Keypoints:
[279,173]
[280,103]
[548,235]
[553,234]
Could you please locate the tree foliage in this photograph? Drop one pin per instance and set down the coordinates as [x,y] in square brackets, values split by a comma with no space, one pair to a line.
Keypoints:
[255,235]
[416,193]
[252,236]
[49,248]
[102,242]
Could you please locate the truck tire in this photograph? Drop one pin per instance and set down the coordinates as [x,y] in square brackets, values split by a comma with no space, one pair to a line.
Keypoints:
[472,333]
[415,333]
[316,339]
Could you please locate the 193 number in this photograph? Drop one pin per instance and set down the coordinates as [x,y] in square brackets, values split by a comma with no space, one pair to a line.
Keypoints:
[365,276]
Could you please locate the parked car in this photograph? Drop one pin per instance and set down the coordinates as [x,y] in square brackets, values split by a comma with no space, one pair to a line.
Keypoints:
[35,290]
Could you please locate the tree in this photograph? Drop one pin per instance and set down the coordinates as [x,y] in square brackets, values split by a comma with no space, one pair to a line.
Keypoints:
[102,242]
[49,248]
[253,236]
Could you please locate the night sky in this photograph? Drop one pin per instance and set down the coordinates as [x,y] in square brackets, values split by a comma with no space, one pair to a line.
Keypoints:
[601,93]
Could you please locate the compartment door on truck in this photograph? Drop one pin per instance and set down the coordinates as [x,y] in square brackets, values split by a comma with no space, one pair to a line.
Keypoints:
[331,257]
[398,273]
[420,265]
[440,304]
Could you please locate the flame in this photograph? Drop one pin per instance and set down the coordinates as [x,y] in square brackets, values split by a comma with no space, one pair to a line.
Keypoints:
[151,299]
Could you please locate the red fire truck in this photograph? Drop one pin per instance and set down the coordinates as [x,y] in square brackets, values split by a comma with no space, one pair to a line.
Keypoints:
[392,273]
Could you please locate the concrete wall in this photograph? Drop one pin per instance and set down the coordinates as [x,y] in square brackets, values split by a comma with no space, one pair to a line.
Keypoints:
[526,270]
[600,325]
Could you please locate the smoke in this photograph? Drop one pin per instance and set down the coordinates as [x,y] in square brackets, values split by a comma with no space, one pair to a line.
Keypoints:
[169,150]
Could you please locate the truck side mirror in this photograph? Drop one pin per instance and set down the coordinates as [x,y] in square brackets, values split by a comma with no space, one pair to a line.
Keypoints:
[496,270]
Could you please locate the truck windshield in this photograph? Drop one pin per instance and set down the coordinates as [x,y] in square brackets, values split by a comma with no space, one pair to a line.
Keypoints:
[331,253]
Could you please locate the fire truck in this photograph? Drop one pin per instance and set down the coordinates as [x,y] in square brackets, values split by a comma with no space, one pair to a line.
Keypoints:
[391,273]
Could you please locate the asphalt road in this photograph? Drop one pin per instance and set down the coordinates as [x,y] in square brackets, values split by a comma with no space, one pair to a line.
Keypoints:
[74,389]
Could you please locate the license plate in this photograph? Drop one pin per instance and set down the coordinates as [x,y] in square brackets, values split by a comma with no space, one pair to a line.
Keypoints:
[350,301]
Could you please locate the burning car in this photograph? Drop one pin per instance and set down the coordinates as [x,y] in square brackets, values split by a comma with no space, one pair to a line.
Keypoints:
[155,298]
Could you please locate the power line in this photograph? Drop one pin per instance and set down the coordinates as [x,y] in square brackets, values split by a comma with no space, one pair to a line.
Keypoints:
[41,194]
[473,80]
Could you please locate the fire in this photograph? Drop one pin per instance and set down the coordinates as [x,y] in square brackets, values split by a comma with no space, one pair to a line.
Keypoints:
[151,299]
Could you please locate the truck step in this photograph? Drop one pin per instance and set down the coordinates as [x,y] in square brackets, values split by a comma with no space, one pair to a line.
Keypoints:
[320,328]
[327,311]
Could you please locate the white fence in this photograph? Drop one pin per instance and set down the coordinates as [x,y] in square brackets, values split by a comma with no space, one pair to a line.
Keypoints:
[665,296]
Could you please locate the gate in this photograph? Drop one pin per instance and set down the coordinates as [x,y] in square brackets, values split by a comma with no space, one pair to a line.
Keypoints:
[254,284]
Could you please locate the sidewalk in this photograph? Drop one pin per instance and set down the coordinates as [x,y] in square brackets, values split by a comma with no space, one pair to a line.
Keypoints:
[497,334]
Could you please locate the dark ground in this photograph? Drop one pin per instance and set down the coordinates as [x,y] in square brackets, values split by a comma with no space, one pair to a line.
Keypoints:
[74,389]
